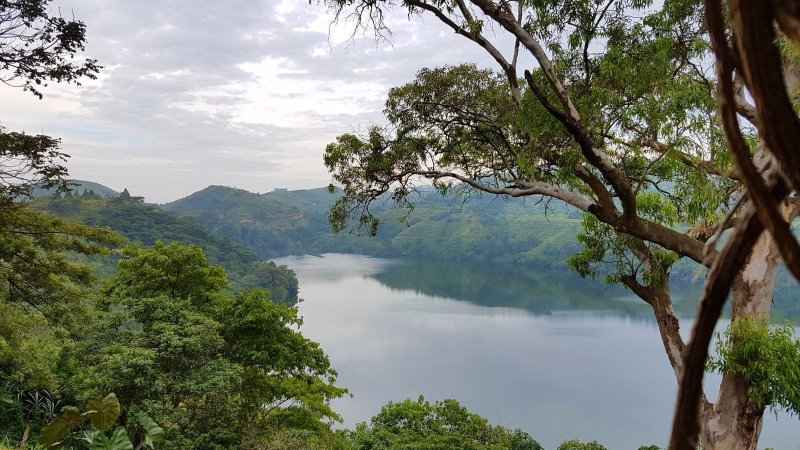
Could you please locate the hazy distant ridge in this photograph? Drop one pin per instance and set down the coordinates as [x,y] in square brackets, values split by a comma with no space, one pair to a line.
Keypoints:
[479,228]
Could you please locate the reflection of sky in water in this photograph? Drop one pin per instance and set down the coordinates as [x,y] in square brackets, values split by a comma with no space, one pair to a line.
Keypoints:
[567,374]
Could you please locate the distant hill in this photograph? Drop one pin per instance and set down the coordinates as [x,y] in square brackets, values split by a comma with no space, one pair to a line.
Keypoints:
[476,228]
[78,187]
[238,229]
[146,223]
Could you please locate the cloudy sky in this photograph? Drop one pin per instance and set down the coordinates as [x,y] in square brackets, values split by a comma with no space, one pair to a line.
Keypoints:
[241,93]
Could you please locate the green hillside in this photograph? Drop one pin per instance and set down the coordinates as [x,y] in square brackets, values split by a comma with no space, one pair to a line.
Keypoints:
[477,228]
[146,224]
[78,188]
[238,229]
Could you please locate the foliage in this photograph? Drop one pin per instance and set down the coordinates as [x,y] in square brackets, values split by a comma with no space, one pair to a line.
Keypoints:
[604,250]
[58,431]
[178,271]
[206,364]
[117,441]
[37,46]
[147,224]
[29,348]
[33,260]
[28,162]
[280,364]
[767,357]
[153,434]
[574,444]
[444,425]
[101,415]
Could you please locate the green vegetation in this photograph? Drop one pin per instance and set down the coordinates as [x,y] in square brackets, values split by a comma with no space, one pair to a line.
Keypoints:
[295,222]
[147,224]
[767,357]
[164,336]
[93,426]
[441,425]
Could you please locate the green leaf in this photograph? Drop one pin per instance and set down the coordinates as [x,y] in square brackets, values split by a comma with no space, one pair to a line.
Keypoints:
[118,441]
[154,434]
[103,412]
[54,433]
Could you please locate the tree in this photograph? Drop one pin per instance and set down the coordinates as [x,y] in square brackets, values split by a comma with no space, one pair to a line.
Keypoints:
[628,134]
[34,265]
[752,60]
[175,270]
[443,425]
[28,162]
[37,46]
[42,297]
[213,368]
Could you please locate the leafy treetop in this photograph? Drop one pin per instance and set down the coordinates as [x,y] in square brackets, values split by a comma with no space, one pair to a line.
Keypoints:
[175,270]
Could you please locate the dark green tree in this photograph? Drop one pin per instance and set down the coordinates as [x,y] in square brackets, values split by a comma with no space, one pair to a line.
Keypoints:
[444,425]
[213,368]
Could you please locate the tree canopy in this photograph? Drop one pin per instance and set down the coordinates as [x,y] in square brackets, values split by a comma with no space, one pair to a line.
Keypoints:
[38,45]
[211,367]
[28,162]
[442,425]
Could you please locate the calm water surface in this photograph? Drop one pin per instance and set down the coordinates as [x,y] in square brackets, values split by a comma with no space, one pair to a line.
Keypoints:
[545,352]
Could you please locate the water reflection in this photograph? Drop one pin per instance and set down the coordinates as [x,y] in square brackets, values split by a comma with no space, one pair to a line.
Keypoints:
[546,352]
[539,291]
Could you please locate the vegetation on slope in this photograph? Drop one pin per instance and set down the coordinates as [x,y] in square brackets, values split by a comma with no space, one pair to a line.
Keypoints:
[296,222]
[146,224]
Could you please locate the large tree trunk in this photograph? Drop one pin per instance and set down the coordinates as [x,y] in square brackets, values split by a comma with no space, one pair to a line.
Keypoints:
[734,422]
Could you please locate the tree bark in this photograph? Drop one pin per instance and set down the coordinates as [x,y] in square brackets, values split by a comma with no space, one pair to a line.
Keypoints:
[735,421]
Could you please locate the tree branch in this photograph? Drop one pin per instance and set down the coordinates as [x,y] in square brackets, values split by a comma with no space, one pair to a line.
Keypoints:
[477,37]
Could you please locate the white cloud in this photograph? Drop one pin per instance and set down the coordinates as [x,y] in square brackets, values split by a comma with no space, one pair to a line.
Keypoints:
[243,93]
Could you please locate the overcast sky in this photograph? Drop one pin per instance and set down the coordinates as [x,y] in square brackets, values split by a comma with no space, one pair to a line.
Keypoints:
[240,93]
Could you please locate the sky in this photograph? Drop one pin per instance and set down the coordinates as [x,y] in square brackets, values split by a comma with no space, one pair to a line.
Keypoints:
[239,93]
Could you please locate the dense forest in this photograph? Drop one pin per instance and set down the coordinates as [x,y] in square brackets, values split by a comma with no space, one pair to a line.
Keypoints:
[145,224]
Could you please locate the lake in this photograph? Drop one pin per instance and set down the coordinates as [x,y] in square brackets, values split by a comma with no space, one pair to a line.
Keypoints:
[544,351]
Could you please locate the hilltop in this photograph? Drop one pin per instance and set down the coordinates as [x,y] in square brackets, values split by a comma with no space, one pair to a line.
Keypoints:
[146,224]
[477,228]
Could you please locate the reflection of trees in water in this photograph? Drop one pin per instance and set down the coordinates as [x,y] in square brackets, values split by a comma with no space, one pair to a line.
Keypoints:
[539,291]
[542,291]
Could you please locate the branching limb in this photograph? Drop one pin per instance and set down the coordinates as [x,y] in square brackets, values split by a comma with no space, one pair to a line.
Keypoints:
[593,155]
[477,37]
[760,214]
